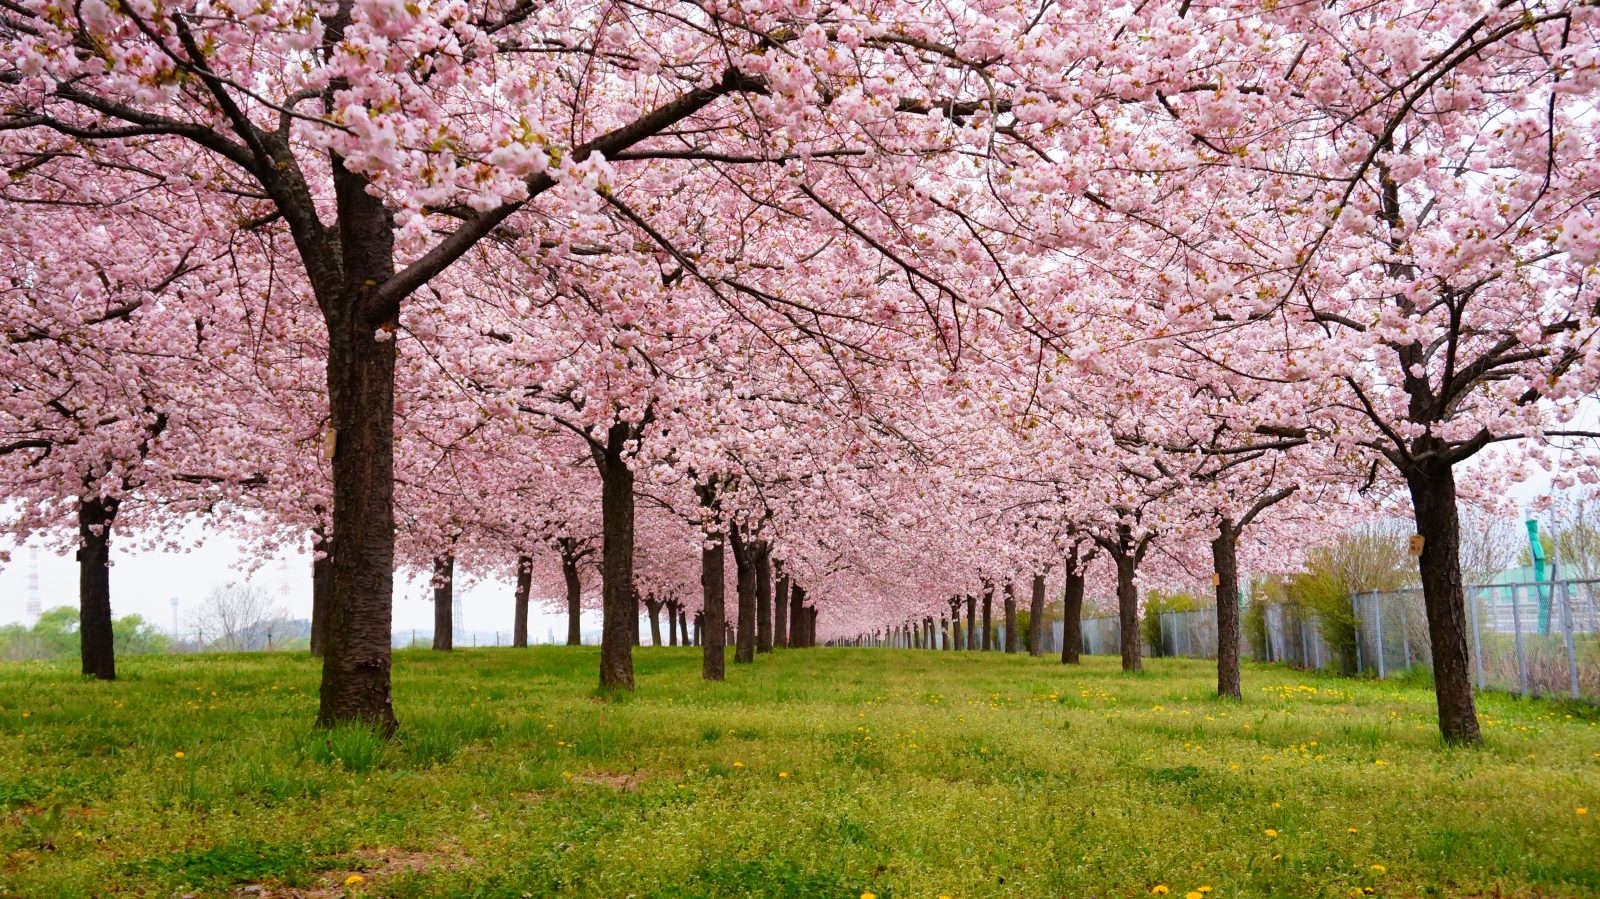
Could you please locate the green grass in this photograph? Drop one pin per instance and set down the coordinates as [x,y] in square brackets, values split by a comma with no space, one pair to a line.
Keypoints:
[908,774]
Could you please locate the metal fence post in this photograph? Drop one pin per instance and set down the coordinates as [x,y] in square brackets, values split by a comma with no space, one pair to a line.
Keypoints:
[1522,654]
[1377,623]
[1566,634]
[1405,630]
[1477,637]
[1355,613]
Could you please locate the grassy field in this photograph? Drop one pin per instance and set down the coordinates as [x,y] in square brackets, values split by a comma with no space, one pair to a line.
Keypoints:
[828,772]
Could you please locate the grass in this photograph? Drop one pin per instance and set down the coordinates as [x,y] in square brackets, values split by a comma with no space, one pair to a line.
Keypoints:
[826,773]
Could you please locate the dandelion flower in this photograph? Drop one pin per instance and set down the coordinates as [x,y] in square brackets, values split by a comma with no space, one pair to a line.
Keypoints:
[1352,830]
[1581,810]
[354,880]
[178,754]
[1194,894]
[738,764]
[1379,868]
[782,774]
[1159,889]
[1271,832]
[869,896]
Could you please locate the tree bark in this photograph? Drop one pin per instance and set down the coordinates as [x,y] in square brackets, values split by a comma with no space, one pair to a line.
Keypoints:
[988,617]
[1225,564]
[519,621]
[444,575]
[780,610]
[633,621]
[672,624]
[972,631]
[1072,614]
[763,597]
[956,637]
[619,608]
[569,572]
[96,642]
[710,628]
[744,647]
[321,584]
[1011,618]
[1128,612]
[654,607]
[361,365]
[1036,618]
[797,623]
[683,625]
[1433,500]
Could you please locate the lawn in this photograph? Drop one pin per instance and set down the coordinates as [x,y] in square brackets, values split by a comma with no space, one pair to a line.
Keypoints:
[826,772]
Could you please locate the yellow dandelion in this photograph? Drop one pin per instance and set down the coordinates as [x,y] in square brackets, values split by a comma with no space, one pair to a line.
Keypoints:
[1159,889]
[1379,762]
[783,774]
[1271,832]
[869,896]
[178,754]
[1203,889]
[1581,810]
[1379,868]
[1352,830]
[1194,894]
[567,774]
[738,764]
[1277,805]
[354,880]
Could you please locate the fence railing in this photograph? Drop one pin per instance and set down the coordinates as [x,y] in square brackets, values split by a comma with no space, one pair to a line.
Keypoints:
[1536,639]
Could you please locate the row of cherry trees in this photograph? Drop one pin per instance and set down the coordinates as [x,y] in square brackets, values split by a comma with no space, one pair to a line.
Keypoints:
[895,303]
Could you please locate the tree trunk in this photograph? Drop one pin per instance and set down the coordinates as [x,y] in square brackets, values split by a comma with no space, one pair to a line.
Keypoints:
[619,608]
[780,610]
[1036,618]
[1225,564]
[1128,612]
[672,624]
[321,585]
[519,622]
[797,622]
[988,617]
[361,362]
[972,631]
[655,621]
[1011,618]
[683,625]
[633,621]
[569,571]
[444,576]
[699,621]
[1433,500]
[744,647]
[360,375]
[96,642]
[1072,614]
[710,628]
[763,597]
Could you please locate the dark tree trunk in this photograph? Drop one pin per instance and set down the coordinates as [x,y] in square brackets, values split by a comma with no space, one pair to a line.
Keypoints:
[1072,614]
[361,364]
[956,638]
[744,647]
[1128,612]
[321,586]
[1225,564]
[699,620]
[683,625]
[1036,618]
[519,623]
[97,645]
[988,617]
[1011,618]
[763,597]
[710,628]
[1433,500]
[619,608]
[654,607]
[944,642]
[972,631]
[780,610]
[444,577]
[672,624]
[633,622]
[797,622]
[811,627]
[569,572]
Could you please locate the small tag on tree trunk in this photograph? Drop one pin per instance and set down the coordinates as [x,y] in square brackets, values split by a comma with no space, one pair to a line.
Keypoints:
[330,442]
[1416,545]
[1216,579]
